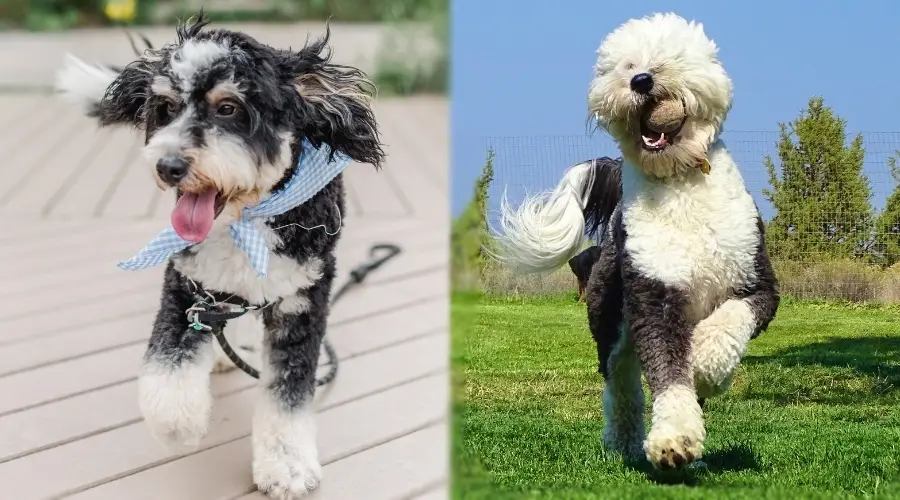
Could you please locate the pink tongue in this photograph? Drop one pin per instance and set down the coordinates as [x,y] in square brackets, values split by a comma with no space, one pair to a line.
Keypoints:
[193,215]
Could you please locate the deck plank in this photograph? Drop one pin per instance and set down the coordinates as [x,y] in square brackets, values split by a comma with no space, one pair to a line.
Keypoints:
[120,451]
[46,177]
[29,429]
[341,433]
[89,187]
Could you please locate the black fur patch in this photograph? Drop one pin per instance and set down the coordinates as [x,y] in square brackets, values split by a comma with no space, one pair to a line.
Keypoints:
[606,192]
[582,263]
[604,301]
[762,296]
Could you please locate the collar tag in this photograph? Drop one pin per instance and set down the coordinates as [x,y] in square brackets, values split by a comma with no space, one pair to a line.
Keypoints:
[703,165]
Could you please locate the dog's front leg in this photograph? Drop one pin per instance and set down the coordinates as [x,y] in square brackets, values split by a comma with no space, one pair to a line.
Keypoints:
[660,332]
[285,455]
[173,386]
[720,340]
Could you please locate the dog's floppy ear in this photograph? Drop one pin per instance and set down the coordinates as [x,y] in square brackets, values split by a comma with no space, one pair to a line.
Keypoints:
[124,100]
[331,102]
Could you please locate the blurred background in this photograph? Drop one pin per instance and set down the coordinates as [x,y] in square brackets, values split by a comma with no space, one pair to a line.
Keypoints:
[406,53]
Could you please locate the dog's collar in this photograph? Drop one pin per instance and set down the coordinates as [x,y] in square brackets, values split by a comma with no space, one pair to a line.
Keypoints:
[703,165]
[316,168]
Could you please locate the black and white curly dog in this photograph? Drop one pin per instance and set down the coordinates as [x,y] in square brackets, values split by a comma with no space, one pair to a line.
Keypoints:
[683,281]
[222,111]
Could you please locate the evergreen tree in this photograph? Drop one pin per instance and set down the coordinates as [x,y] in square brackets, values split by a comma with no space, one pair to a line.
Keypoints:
[887,227]
[469,232]
[822,197]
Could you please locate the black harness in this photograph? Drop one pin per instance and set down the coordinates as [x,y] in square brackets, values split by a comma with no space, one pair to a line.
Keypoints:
[211,310]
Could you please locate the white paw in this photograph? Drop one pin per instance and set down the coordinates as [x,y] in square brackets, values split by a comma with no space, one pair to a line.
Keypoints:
[285,457]
[668,447]
[676,433]
[176,403]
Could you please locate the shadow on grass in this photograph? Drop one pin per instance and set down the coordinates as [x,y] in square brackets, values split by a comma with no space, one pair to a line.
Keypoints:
[865,355]
[733,458]
[872,361]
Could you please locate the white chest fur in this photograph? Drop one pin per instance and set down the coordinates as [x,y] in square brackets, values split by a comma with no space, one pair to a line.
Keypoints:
[698,233]
[220,265]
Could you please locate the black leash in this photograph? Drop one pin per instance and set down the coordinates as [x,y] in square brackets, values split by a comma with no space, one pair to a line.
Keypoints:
[208,314]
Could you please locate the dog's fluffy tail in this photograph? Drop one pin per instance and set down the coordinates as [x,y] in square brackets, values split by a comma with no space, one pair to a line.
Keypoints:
[84,84]
[550,228]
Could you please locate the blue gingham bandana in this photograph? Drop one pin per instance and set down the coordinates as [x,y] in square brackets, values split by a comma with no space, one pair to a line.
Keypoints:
[314,171]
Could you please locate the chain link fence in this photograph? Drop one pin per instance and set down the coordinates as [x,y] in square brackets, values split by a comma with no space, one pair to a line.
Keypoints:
[834,234]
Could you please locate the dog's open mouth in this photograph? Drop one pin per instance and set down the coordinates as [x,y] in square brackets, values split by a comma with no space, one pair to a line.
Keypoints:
[194,213]
[660,126]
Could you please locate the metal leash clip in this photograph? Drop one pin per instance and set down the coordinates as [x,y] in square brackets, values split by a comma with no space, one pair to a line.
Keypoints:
[193,317]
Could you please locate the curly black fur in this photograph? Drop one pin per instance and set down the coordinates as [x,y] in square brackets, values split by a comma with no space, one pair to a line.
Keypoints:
[606,192]
[581,265]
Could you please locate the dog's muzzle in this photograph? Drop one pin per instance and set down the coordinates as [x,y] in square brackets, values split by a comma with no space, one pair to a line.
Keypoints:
[172,169]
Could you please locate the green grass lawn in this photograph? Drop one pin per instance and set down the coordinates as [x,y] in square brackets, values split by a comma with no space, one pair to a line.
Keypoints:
[814,411]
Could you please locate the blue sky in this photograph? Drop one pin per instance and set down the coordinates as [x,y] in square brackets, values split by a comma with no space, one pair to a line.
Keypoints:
[521,68]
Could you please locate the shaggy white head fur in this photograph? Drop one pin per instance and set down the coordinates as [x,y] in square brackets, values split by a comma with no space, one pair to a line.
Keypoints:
[683,64]
[547,229]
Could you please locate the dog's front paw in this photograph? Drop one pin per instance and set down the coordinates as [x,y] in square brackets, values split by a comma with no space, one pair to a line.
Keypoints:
[285,458]
[284,475]
[668,447]
[676,433]
[176,403]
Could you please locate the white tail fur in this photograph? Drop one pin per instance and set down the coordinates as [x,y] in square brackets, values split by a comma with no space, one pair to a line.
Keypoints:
[547,229]
[83,83]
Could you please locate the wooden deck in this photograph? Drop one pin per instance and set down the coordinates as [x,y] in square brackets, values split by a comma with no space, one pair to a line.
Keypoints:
[75,199]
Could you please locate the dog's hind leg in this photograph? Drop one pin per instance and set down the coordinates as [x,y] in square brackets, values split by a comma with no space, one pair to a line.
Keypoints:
[623,397]
[720,340]
[285,456]
[623,400]
[173,386]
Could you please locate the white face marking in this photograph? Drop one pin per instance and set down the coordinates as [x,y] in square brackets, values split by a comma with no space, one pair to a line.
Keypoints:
[194,56]
[162,86]
[171,139]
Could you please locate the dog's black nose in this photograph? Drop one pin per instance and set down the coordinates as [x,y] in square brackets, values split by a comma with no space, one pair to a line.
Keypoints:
[642,83]
[172,169]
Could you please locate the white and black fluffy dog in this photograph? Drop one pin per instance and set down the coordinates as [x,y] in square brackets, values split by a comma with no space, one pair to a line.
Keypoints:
[683,281]
[226,115]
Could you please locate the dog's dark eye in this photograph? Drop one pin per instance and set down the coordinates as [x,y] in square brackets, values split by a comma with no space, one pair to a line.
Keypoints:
[171,107]
[226,109]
